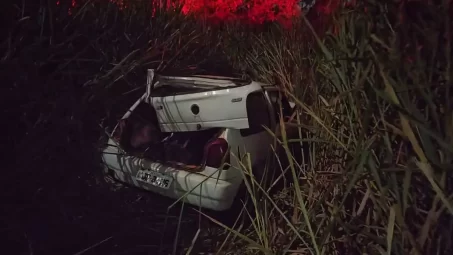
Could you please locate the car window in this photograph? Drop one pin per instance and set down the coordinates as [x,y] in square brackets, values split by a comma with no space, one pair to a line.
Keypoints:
[258,114]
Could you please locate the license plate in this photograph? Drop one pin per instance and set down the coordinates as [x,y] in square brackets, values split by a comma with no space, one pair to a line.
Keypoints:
[155,179]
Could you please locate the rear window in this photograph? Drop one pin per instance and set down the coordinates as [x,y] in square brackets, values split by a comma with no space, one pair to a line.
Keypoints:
[258,114]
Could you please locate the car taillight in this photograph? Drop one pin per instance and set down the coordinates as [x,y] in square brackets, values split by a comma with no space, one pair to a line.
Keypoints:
[216,152]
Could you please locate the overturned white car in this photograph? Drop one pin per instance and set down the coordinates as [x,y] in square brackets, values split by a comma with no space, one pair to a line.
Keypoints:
[185,137]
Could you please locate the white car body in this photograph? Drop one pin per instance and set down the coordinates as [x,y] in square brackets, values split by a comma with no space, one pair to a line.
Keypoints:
[221,104]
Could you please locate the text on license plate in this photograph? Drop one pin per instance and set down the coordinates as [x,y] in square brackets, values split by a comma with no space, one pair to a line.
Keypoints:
[154,178]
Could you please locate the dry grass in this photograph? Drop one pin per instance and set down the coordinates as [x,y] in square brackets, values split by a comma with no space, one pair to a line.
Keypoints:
[378,180]
[374,107]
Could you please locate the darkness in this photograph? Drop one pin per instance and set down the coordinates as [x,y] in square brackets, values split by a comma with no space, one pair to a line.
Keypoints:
[54,200]
[56,100]
[62,89]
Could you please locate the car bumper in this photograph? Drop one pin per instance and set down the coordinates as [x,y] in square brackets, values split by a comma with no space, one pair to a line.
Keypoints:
[193,188]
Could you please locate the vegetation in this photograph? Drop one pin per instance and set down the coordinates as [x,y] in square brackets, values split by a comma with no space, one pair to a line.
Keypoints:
[373,98]
[372,86]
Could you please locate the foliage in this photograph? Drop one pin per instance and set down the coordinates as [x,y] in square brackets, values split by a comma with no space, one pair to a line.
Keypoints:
[373,99]
[254,12]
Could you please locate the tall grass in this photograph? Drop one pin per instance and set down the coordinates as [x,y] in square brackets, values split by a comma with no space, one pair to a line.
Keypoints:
[373,107]
[374,100]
